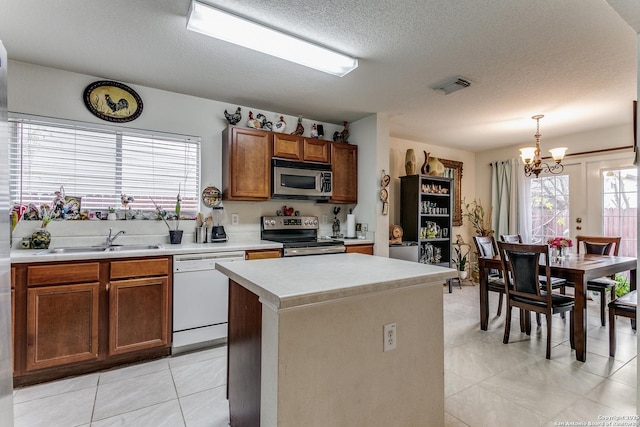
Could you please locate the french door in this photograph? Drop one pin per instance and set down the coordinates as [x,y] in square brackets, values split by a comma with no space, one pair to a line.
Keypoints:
[557,205]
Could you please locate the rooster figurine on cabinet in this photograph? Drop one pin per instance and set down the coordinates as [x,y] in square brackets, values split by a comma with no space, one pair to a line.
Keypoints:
[299,129]
[233,118]
[253,123]
[314,131]
[264,123]
[280,125]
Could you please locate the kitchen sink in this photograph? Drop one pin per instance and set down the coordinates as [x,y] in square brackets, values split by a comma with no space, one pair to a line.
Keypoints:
[81,249]
[133,247]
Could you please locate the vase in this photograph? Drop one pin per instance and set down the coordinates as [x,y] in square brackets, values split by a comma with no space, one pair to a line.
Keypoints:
[40,239]
[436,168]
[410,162]
[175,237]
[462,274]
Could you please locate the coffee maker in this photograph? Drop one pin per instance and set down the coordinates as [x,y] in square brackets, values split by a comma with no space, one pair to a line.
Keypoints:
[212,198]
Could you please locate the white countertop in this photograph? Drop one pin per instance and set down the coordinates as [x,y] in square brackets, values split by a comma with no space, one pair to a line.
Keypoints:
[35,255]
[296,281]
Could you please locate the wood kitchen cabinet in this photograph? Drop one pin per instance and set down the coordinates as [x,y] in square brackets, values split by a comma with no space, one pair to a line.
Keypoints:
[366,249]
[62,315]
[287,146]
[246,164]
[139,305]
[316,150]
[299,148]
[344,165]
[262,254]
[76,317]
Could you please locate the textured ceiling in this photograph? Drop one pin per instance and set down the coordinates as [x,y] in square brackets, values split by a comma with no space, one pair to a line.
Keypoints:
[572,60]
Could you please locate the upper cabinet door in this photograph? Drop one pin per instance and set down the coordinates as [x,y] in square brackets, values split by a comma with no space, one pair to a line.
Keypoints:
[344,165]
[246,164]
[316,150]
[287,146]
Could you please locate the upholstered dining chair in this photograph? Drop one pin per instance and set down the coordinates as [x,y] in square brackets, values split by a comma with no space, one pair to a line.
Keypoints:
[511,238]
[487,247]
[600,245]
[521,271]
[556,282]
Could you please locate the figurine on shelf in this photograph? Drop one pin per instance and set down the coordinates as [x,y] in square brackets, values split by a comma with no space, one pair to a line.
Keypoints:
[253,123]
[299,128]
[336,222]
[233,118]
[280,125]
[342,136]
[264,123]
[314,131]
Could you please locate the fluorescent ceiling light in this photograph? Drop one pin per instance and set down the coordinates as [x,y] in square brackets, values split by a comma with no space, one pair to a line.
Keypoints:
[205,19]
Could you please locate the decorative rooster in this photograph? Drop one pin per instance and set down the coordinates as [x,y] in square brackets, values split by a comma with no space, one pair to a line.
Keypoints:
[280,125]
[264,122]
[253,123]
[342,136]
[233,118]
[120,105]
[299,129]
[314,131]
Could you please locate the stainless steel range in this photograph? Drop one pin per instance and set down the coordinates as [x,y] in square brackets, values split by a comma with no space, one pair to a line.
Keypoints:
[298,235]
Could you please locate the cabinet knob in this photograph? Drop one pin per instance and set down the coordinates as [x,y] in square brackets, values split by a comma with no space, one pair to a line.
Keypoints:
[108,286]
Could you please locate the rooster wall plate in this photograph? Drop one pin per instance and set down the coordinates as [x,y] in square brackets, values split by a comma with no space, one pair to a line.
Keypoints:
[112,101]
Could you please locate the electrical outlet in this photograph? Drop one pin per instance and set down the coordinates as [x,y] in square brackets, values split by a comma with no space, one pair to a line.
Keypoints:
[324,219]
[389,336]
[235,219]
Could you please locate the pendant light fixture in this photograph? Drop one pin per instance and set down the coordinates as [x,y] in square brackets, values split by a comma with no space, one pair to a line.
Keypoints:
[533,164]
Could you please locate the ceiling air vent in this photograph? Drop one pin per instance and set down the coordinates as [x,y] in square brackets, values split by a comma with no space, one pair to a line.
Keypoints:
[453,84]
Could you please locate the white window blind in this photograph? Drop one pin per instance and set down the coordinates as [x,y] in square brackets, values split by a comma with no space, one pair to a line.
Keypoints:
[98,164]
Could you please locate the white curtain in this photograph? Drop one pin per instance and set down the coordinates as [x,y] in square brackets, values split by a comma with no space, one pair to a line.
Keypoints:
[508,200]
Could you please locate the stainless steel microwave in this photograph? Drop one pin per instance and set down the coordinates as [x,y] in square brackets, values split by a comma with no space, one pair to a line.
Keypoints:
[298,180]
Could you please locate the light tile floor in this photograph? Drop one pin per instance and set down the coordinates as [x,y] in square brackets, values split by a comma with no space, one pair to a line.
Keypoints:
[487,383]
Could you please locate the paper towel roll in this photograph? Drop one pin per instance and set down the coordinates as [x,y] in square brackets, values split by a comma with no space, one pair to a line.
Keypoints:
[351,225]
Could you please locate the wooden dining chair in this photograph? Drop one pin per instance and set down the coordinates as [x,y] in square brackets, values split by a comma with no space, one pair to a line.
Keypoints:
[487,247]
[625,306]
[600,245]
[521,271]
[556,282]
[511,238]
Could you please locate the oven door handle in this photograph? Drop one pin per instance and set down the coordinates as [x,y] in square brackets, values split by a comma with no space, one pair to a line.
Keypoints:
[314,251]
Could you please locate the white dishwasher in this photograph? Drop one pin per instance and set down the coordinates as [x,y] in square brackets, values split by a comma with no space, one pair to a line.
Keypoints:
[200,299]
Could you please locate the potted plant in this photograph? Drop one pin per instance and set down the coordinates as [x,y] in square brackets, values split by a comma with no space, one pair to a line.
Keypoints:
[175,235]
[461,263]
[475,213]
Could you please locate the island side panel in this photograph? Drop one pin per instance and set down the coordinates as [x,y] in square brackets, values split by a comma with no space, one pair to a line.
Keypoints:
[243,356]
[332,370]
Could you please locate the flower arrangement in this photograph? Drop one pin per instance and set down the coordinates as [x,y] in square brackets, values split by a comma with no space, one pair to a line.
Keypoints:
[559,242]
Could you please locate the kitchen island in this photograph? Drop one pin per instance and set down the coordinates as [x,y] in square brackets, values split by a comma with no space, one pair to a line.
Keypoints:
[306,342]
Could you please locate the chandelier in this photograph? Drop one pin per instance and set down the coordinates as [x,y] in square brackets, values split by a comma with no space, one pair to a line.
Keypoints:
[533,164]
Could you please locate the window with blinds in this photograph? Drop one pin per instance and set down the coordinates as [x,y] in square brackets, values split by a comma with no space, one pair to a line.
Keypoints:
[99,164]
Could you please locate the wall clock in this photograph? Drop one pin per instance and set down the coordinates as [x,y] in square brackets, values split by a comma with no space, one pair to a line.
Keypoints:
[112,101]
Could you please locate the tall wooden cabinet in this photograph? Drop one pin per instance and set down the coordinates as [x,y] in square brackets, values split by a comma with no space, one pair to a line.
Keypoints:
[344,166]
[246,164]
[425,215]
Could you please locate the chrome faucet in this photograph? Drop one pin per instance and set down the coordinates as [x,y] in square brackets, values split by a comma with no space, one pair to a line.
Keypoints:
[110,239]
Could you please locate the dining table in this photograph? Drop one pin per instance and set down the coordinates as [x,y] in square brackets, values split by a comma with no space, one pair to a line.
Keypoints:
[575,268]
